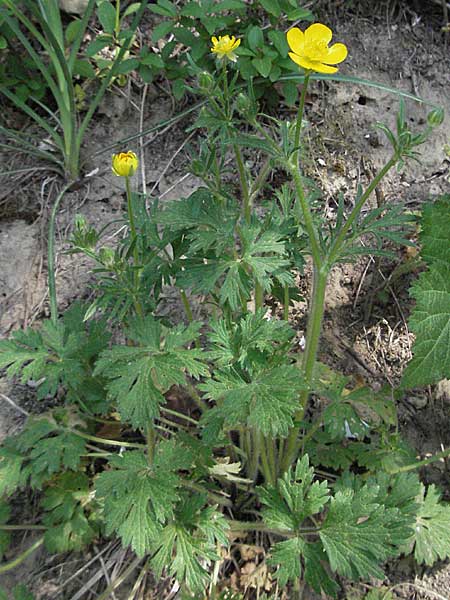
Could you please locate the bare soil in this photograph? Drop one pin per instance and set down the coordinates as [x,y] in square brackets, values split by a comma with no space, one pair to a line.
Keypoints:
[365,329]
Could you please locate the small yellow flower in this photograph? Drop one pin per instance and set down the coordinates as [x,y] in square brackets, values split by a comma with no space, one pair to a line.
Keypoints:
[225,46]
[310,49]
[124,164]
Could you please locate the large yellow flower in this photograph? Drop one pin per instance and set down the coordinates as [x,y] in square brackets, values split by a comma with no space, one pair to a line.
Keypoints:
[310,49]
[225,46]
[125,164]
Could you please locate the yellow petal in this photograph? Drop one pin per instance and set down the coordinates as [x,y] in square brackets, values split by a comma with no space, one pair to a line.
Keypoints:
[236,44]
[311,65]
[336,54]
[296,39]
[214,40]
[318,33]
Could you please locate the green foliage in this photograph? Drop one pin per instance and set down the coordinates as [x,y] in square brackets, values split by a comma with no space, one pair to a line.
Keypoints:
[139,497]
[59,354]
[208,422]
[268,402]
[189,542]
[430,537]
[67,503]
[263,54]
[430,319]
[41,450]
[139,375]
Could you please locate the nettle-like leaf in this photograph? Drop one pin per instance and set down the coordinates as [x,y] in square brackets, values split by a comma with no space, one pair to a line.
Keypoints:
[267,403]
[67,501]
[189,543]
[430,319]
[262,258]
[209,224]
[356,533]
[252,343]
[139,375]
[296,498]
[365,523]
[55,355]
[138,497]
[42,449]
[431,530]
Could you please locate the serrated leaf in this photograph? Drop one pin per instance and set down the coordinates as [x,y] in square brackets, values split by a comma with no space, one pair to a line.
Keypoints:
[66,501]
[356,534]
[139,375]
[430,322]
[267,403]
[189,543]
[139,497]
[430,319]
[431,539]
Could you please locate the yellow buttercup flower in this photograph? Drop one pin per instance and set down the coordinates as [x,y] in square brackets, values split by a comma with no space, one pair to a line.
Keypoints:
[310,49]
[125,164]
[225,46]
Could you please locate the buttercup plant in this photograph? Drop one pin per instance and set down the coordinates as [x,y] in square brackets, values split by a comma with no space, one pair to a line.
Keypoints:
[177,486]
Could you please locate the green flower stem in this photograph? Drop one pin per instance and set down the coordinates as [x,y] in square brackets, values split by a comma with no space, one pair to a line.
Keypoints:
[51,256]
[179,415]
[269,474]
[186,306]
[105,441]
[421,463]
[19,559]
[254,450]
[301,110]
[216,498]
[286,302]
[309,358]
[258,526]
[137,303]
[340,239]
[201,404]
[117,21]
[247,209]
[304,215]
[23,528]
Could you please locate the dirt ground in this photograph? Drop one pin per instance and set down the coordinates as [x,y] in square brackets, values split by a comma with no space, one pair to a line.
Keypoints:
[365,329]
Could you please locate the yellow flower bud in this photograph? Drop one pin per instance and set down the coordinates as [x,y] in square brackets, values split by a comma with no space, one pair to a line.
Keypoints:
[124,164]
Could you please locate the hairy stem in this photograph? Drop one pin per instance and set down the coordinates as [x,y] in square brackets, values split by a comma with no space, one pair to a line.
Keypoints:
[309,358]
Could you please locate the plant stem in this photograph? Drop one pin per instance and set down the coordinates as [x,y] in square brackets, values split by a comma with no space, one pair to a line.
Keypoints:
[269,476]
[340,239]
[298,126]
[134,242]
[258,526]
[23,528]
[19,559]
[312,343]
[304,215]
[421,463]
[151,442]
[246,204]
[51,257]
[286,302]
[105,441]
[187,306]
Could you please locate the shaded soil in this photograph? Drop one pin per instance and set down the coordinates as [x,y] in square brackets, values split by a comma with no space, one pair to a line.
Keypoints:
[365,327]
